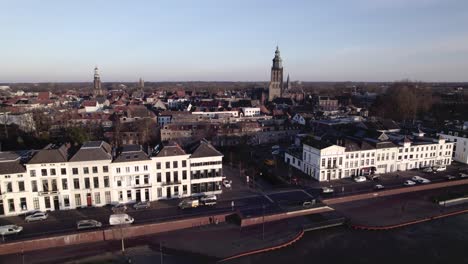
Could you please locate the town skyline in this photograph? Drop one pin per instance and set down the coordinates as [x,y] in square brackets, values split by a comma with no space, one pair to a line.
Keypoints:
[423,40]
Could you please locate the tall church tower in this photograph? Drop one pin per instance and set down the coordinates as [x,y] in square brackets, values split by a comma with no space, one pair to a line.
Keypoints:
[275,88]
[97,82]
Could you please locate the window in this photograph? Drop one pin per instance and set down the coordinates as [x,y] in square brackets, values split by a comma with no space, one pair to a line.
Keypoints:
[97,198]
[129,194]
[11,205]
[119,183]
[54,185]
[96,182]
[108,197]
[44,172]
[105,168]
[176,176]
[168,177]
[64,184]
[106,181]
[137,168]
[176,190]
[120,196]
[158,165]
[52,172]
[36,203]
[21,186]
[146,179]
[32,173]
[75,171]
[45,185]
[66,200]
[168,165]
[86,170]
[145,167]
[184,189]
[127,169]
[77,200]
[159,192]
[184,175]
[23,204]
[86,183]
[34,186]
[95,170]
[174,164]
[184,163]
[76,184]
[63,171]
[323,162]
[158,177]
[137,180]
[47,202]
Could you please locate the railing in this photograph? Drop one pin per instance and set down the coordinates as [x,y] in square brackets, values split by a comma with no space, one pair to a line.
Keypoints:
[171,183]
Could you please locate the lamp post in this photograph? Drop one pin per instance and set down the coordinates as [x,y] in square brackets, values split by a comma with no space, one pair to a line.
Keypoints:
[263,222]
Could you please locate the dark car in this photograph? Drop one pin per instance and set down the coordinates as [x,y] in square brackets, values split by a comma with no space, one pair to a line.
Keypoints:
[142,205]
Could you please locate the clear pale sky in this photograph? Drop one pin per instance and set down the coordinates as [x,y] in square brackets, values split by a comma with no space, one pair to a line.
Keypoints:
[329,40]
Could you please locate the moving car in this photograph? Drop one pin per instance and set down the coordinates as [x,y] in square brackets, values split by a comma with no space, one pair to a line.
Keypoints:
[327,190]
[142,205]
[208,200]
[227,183]
[419,179]
[441,168]
[308,204]
[463,175]
[450,177]
[88,224]
[120,219]
[409,183]
[416,178]
[119,208]
[379,187]
[10,230]
[189,203]
[360,179]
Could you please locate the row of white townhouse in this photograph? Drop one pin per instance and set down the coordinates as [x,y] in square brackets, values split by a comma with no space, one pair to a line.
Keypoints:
[351,157]
[95,175]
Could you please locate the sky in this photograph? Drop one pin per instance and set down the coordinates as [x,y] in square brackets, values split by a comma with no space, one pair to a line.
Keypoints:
[233,40]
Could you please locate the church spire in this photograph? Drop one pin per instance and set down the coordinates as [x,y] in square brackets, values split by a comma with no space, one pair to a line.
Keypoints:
[97,82]
[277,62]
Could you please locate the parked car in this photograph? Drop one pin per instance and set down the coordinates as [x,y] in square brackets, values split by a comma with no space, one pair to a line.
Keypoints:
[120,219]
[416,178]
[440,168]
[450,177]
[424,181]
[379,187]
[142,205]
[28,213]
[119,208]
[189,203]
[227,183]
[88,224]
[463,175]
[208,200]
[360,179]
[10,230]
[39,216]
[428,169]
[327,190]
[409,183]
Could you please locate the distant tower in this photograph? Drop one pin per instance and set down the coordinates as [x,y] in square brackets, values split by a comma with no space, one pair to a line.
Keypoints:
[276,83]
[97,82]
[141,83]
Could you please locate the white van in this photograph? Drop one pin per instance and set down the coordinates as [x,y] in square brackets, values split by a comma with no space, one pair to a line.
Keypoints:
[120,219]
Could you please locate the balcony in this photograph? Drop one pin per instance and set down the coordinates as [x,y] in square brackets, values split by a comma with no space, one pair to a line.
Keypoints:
[171,183]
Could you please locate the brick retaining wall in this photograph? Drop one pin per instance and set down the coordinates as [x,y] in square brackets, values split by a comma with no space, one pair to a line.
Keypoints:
[276,217]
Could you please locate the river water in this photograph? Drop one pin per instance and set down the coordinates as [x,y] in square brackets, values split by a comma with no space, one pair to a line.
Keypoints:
[440,241]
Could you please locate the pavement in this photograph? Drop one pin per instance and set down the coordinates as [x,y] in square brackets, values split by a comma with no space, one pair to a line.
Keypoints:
[397,209]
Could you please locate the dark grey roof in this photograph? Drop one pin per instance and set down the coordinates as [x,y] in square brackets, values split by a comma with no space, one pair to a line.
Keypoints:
[205,149]
[11,167]
[318,144]
[50,154]
[93,150]
[8,156]
[171,150]
[131,153]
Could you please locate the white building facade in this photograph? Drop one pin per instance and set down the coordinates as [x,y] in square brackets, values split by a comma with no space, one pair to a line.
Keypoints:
[460,140]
